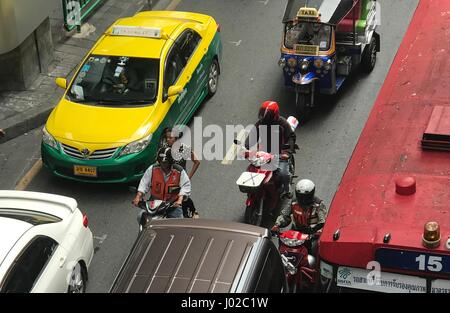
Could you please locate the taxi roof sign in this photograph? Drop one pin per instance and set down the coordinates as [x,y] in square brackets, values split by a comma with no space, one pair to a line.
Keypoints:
[308,13]
[136,31]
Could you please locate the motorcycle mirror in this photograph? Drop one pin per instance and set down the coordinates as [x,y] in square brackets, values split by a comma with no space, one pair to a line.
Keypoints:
[237,142]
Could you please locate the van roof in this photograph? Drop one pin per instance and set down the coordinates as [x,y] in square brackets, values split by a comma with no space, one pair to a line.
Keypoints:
[189,255]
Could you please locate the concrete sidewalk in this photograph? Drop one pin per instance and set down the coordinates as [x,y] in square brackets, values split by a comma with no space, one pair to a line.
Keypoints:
[22,111]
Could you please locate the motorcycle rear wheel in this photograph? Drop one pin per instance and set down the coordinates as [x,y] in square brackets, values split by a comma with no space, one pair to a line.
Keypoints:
[251,214]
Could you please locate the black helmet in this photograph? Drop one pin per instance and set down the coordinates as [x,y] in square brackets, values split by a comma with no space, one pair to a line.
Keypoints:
[165,156]
[304,191]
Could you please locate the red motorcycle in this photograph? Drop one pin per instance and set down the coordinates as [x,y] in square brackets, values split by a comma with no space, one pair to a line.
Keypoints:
[260,185]
[300,266]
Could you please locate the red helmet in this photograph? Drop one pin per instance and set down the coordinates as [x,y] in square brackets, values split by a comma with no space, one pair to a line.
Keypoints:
[269,113]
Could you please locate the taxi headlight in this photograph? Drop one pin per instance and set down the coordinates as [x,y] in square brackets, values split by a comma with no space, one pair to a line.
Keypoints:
[292,62]
[282,62]
[136,146]
[327,65]
[48,139]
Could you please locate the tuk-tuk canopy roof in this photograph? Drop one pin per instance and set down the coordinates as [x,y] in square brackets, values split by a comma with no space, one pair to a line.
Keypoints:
[332,11]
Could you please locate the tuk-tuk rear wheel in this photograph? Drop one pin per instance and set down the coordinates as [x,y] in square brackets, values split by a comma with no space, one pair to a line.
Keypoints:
[369,58]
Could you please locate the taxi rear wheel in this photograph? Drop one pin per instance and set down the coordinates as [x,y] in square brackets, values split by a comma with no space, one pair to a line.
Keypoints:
[213,78]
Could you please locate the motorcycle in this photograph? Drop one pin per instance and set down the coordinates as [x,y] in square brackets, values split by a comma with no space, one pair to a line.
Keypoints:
[300,265]
[261,186]
[155,209]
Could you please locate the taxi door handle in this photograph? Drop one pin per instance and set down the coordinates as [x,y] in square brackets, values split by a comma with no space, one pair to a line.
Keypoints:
[188,77]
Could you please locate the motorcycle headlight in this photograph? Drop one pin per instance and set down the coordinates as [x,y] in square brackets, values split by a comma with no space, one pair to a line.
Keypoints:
[282,62]
[136,146]
[292,62]
[290,242]
[48,139]
[327,65]
[304,67]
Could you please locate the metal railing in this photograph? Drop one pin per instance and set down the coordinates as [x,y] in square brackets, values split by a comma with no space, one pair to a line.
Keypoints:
[76,11]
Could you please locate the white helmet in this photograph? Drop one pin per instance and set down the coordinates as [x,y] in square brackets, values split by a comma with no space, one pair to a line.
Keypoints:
[304,191]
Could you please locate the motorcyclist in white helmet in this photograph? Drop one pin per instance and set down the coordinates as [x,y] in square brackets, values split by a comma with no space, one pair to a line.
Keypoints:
[307,212]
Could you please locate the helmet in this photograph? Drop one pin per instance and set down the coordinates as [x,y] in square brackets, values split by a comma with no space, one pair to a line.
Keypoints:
[164,156]
[304,191]
[269,113]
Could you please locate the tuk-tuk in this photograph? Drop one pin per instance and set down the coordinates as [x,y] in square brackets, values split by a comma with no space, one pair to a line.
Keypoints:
[323,42]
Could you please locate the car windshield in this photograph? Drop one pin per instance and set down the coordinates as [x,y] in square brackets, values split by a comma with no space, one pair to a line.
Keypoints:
[116,80]
[314,34]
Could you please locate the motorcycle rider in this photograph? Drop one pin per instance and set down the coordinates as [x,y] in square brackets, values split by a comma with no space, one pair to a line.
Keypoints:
[162,176]
[183,152]
[309,213]
[276,126]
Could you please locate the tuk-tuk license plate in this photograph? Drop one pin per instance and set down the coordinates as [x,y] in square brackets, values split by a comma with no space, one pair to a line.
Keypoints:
[80,170]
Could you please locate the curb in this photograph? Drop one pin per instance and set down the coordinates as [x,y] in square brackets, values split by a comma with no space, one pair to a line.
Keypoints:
[25,122]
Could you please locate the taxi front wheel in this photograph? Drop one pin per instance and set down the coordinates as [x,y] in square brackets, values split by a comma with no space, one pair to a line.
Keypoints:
[213,78]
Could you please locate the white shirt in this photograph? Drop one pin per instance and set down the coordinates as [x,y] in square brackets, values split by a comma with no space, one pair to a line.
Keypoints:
[146,181]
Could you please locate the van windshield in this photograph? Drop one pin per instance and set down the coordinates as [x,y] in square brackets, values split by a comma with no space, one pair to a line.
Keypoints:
[116,80]
[306,33]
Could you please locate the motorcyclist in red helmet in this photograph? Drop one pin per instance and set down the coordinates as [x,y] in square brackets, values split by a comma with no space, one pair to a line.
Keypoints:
[271,123]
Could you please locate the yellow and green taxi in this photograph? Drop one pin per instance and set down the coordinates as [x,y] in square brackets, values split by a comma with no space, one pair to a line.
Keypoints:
[145,73]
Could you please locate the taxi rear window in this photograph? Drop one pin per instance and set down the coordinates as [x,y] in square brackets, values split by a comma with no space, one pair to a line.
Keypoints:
[116,81]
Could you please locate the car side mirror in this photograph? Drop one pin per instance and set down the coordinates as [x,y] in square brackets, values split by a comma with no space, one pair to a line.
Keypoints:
[174,90]
[61,82]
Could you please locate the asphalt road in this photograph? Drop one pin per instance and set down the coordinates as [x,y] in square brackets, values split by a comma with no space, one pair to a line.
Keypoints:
[251,33]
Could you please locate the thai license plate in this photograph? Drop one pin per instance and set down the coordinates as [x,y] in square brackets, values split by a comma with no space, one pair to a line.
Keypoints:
[81,170]
[413,260]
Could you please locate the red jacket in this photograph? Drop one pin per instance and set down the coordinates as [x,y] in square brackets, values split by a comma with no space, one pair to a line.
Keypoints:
[160,188]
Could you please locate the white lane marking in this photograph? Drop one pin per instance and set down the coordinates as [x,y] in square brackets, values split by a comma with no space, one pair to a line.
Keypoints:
[232,152]
[101,239]
[265,2]
[236,43]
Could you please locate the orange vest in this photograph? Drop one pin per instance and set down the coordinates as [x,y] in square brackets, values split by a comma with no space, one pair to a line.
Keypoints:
[304,216]
[160,188]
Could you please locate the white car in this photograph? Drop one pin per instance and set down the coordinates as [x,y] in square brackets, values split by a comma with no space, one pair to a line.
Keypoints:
[45,243]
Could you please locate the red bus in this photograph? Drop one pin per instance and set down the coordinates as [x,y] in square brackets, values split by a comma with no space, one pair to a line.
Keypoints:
[388,225]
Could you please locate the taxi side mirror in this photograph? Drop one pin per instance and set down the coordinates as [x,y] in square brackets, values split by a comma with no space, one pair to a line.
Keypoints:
[174,90]
[61,82]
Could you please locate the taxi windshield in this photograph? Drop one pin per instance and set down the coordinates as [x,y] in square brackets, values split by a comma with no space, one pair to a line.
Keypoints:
[304,33]
[116,80]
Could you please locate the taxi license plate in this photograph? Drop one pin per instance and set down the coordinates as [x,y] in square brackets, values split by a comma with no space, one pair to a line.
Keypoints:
[90,171]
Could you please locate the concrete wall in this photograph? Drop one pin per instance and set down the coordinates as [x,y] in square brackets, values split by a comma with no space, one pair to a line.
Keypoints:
[19,18]
[26,46]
